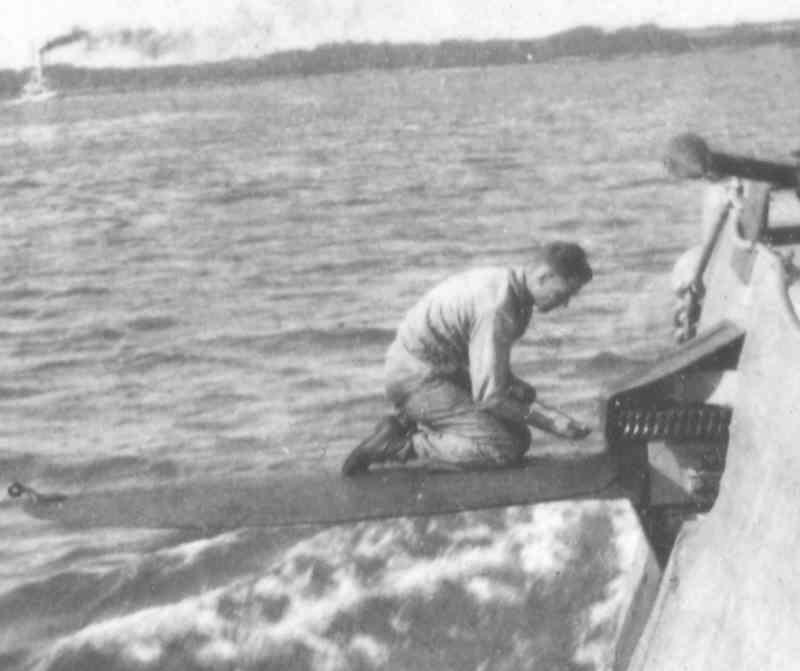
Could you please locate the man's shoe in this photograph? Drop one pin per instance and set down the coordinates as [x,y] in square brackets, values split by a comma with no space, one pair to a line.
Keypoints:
[388,438]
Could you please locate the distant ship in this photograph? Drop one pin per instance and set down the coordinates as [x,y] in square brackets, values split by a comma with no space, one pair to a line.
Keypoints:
[36,89]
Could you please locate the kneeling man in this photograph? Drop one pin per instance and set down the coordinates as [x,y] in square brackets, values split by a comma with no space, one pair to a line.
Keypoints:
[448,374]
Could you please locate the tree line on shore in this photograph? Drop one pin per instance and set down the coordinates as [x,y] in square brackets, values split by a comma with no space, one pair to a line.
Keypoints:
[582,42]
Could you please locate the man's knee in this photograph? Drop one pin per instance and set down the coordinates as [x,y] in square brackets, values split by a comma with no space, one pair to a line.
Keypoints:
[509,448]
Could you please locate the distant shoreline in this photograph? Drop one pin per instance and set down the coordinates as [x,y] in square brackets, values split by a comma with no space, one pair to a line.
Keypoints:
[584,42]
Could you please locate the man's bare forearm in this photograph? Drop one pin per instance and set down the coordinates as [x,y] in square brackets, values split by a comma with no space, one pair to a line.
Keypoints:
[537,415]
[506,408]
[555,421]
[538,418]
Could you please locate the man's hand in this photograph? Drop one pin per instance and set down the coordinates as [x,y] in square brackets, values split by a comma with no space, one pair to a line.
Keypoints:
[570,429]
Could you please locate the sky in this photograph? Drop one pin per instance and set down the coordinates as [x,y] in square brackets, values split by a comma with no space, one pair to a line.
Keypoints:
[138,32]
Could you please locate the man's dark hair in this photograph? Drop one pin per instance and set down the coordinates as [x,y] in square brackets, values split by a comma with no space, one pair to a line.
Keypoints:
[567,260]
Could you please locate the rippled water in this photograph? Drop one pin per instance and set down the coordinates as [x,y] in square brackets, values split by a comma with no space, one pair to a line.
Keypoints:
[203,282]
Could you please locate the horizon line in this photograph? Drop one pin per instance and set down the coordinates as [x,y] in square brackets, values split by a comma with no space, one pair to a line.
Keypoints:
[687,30]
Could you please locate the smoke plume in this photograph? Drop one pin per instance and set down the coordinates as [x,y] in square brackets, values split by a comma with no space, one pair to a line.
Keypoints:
[149,43]
[141,45]
[75,35]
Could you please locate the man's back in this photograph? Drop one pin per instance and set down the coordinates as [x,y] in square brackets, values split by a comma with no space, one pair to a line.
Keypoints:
[451,327]
[448,372]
